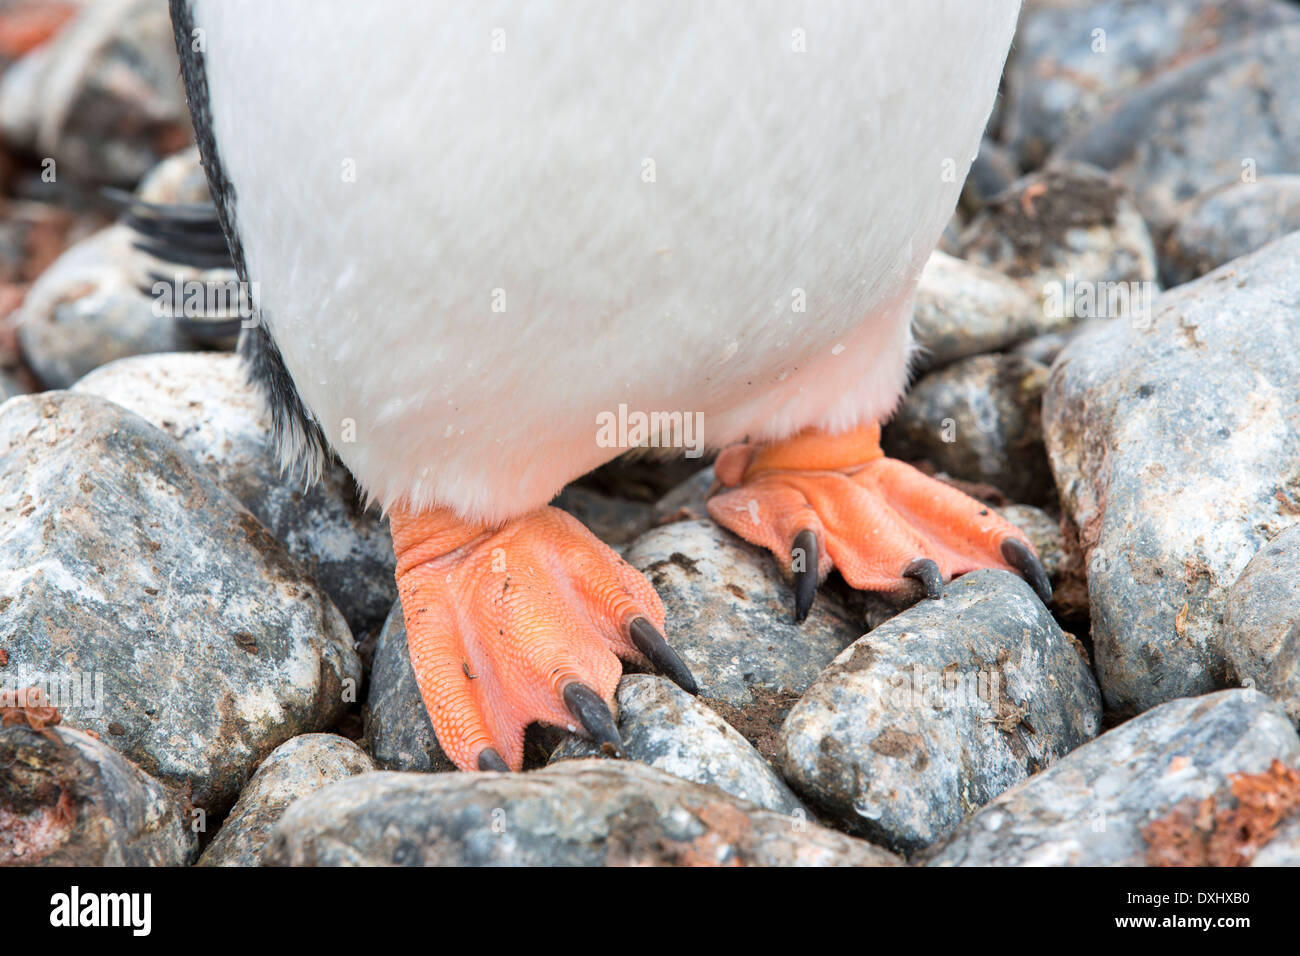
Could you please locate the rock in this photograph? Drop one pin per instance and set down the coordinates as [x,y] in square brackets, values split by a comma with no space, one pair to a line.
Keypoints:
[686,502]
[934,713]
[1074,239]
[66,799]
[10,386]
[1283,849]
[1090,807]
[979,420]
[1214,121]
[1261,622]
[1070,60]
[1045,348]
[1228,222]
[85,311]
[963,309]
[666,728]
[294,769]
[616,521]
[204,401]
[730,614]
[398,733]
[104,98]
[1044,533]
[197,643]
[577,813]
[177,179]
[1176,450]
[992,171]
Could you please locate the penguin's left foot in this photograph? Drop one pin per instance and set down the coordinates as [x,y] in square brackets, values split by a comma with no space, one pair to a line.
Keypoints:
[819,501]
[521,622]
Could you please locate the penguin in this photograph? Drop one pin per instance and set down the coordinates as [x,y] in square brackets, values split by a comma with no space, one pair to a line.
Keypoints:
[477,233]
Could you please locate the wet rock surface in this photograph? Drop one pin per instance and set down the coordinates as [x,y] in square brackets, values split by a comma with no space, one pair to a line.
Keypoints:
[1176,450]
[398,733]
[939,710]
[979,419]
[577,813]
[1261,622]
[204,401]
[295,769]
[1091,806]
[730,614]
[67,799]
[193,643]
[1222,224]
[666,728]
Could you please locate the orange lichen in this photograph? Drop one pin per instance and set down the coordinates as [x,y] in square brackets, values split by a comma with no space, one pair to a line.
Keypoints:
[31,707]
[1198,833]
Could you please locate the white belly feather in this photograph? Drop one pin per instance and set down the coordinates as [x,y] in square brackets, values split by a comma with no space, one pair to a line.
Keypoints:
[476,227]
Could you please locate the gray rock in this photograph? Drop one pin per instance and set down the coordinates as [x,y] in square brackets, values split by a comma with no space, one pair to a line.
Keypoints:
[688,501]
[1222,224]
[730,614]
[578,813]
[204,401]
[666,728]
[1283,849]
[963,309]
[177,179]
[1045,348]
[294,769]
[10,386]
[1090,807]
[991,172]
[616,521]
[1071,236]
[103,98]
[979,419]
[196,643]
[85,310]
[1176,450]
[934,713]
[1061,72]
[398,733]
[1044,533]
[66,799]
[1219,119]
[1261,622]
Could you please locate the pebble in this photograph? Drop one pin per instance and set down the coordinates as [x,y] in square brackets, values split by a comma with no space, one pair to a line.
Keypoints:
[68,799]
[1071,236]
[963,309]
[204,401]
[979,420]
[294,769]
[1219,225]
[1176,449]
[1071,59]
[934,713]
[576,813]
[85,311]
[1261,622]
[664,727]
[1218,119]
[731,615]
[185,635]
[398,733]
[103,100]
[1090,807]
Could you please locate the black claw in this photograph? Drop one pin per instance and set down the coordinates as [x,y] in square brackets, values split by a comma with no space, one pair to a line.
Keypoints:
[927,572]
[489,759]
[805,579]
[1030,568]
[651,643]
[592,712]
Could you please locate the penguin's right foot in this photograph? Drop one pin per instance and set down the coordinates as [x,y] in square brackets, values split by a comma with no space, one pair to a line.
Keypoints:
[521,622]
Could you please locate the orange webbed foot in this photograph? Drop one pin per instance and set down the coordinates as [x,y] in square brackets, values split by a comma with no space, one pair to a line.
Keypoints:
[824,501]
[526,621]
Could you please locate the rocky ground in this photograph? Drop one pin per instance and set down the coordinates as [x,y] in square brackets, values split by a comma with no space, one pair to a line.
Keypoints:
[1109,359]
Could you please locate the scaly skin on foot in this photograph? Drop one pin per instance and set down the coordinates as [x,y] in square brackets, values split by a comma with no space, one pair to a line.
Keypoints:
[521,622]
[819,501]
